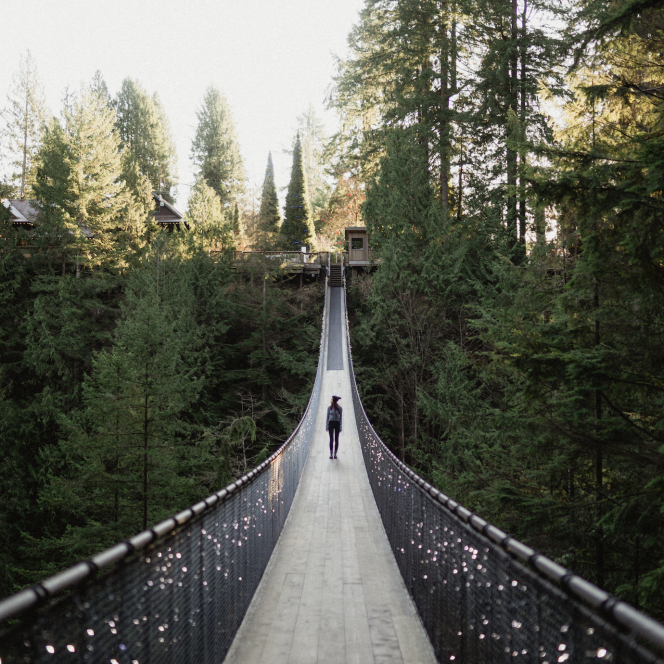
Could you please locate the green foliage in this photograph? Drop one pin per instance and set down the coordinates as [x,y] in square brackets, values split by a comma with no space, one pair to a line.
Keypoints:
[149,159]
[215,150]
[174,366]
[298,228]
[311,130]
[236,221]
[269,217]
[526,384]
[138,371]
[129,455]
[24,119]
[99,88]
[206,218]
[83,199]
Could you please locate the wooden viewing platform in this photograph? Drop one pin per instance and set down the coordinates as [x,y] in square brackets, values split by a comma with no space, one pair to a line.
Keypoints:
[293,261]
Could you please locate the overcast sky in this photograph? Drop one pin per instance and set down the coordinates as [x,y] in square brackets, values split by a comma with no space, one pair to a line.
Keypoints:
[270,59]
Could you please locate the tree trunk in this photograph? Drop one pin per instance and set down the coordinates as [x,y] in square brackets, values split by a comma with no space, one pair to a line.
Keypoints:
[145,455]
[414,425]
[25,149]
[264,386]
[460,195]
[540,224]
[522,118]
[402,433]
[447,57]
[599,534]
[512,164]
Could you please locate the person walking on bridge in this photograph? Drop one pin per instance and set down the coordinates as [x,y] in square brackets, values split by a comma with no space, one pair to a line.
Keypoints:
[333,425]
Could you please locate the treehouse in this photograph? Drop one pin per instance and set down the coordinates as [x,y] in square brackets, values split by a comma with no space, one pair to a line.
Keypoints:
[166,215]
[357,240]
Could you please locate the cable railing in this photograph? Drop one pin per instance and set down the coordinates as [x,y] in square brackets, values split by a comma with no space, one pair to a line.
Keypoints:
[483,596]
[175,593]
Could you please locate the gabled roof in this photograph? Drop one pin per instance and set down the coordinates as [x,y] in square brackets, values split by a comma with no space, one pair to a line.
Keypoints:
[172,214]
[23,213]
[354,229]
[28,209]
[26,213]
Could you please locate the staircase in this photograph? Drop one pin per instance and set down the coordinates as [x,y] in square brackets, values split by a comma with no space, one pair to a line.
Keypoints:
[336,276]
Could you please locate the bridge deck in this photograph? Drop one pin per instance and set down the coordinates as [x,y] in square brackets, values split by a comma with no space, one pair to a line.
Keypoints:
[332,592]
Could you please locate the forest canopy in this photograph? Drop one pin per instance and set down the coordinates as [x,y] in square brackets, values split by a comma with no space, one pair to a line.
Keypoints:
[506,157]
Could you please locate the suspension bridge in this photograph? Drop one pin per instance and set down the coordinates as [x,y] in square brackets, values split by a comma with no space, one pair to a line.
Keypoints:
[311,560]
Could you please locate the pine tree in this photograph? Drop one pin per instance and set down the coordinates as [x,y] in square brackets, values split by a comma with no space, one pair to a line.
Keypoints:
[24,120]
[236,221]
[169,168]
[149,160]
[314,142]
[269,217]
[128,450]
[298,228]
[84,201]
[215,150]
[204,215]
[98,87]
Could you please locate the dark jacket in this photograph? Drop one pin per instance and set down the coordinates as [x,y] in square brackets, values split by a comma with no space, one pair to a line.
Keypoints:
[329,411]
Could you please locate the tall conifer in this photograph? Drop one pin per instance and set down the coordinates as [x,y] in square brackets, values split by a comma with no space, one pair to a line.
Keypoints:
[298,228]
[215,150]
[79,183]
[98,87]
[204,213]
[24,119]
[269,217]
[236,221]
[128,447]
[149,161]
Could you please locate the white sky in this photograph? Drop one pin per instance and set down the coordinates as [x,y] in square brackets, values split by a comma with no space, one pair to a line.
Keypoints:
[270,59]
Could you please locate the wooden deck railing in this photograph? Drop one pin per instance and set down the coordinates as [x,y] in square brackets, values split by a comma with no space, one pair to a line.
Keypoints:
[308,258]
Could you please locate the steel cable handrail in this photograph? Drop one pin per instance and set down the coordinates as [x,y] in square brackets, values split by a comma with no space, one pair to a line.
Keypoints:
[437,543]
[58,616]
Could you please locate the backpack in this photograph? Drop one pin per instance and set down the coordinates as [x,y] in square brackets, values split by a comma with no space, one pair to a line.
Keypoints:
[335,415]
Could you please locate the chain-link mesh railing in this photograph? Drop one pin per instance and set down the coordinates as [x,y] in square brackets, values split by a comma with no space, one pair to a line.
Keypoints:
[484,597]
[175,593]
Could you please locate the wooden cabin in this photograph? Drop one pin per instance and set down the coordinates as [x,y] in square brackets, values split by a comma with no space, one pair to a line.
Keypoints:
[357,239]
[166,215]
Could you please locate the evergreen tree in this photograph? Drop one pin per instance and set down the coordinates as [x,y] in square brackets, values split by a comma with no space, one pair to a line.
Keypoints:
[236,221]
[314,142]
[84,201]
[215,150]
[464,75]
[98,87]
[171,166]
[24,120]
[205,217]
[129,454]
[298,228]
[269,217]
[149,160]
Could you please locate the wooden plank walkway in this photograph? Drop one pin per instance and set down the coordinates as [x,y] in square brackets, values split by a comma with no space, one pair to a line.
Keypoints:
[332,592]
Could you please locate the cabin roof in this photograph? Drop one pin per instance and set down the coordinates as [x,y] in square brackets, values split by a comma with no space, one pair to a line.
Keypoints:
[354,229]
[23,212]
[171,215]
[26,213]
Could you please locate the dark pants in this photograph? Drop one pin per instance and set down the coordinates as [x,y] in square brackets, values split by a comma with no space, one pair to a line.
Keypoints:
[334,436]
